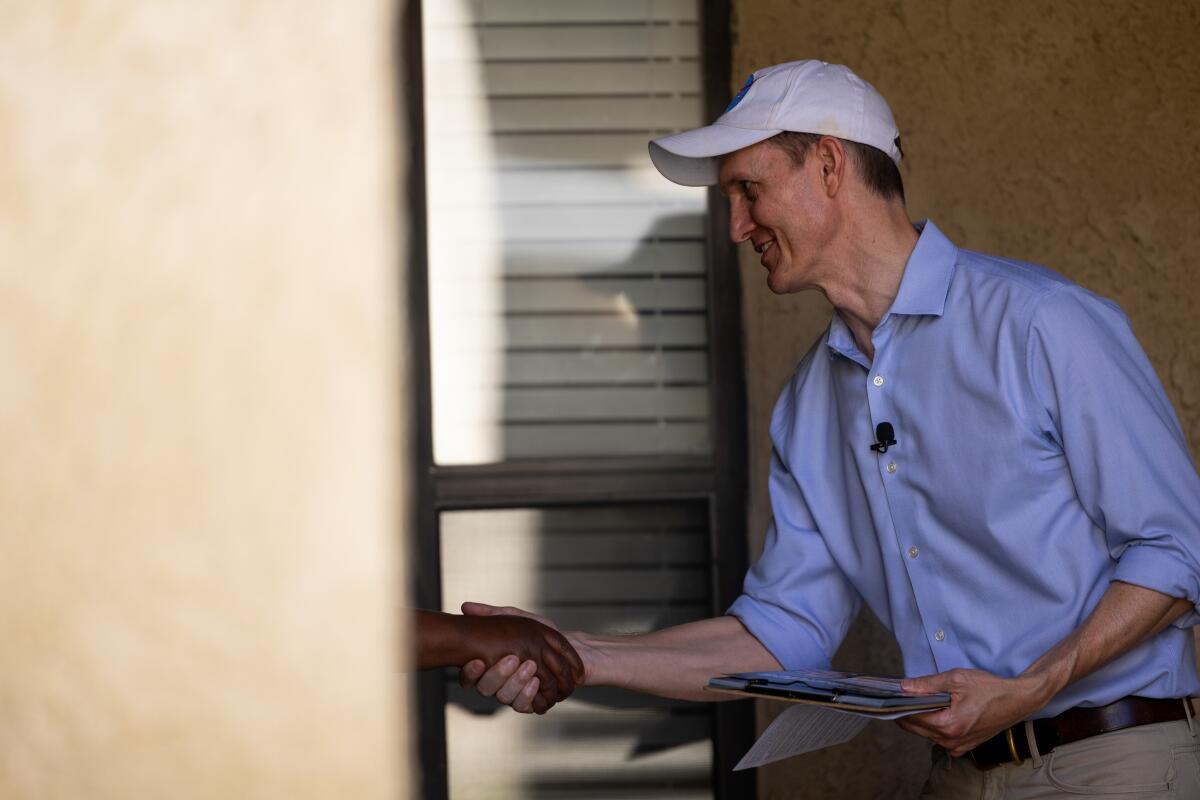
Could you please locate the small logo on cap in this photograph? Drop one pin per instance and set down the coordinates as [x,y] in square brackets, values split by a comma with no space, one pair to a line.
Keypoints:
[741,93]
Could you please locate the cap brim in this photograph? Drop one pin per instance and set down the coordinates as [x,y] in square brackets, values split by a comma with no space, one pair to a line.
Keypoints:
[692,158]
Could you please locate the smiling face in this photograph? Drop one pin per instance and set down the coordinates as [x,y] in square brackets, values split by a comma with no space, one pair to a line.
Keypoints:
[783,210]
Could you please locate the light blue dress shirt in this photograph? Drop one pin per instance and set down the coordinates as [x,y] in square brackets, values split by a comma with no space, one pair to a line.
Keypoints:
[1037,460]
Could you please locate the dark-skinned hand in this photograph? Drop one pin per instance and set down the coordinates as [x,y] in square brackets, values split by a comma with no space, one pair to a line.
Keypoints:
[521,647]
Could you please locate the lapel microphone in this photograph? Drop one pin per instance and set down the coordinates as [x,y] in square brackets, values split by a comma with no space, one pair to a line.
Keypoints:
[885,437]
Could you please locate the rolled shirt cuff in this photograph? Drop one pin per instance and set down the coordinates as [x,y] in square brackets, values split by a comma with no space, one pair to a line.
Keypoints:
[793,646]
[1160,570]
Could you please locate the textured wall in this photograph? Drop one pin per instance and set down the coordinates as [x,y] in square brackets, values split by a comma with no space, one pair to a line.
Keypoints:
[199,402]
[1063,133]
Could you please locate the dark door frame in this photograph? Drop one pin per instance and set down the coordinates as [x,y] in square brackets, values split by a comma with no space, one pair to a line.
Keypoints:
[720,479]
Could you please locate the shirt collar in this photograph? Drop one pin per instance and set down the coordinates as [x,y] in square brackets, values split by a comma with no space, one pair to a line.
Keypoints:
[927,274]
[923,287]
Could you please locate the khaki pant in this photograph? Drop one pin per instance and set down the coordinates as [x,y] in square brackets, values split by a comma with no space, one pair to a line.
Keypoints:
[1149,762]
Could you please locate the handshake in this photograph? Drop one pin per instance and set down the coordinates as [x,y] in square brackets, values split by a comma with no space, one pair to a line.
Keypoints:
[520,660]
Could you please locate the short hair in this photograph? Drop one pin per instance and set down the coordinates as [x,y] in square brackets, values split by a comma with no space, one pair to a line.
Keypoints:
[874,166]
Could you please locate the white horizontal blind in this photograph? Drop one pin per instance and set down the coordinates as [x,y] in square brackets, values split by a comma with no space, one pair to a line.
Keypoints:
[567,278]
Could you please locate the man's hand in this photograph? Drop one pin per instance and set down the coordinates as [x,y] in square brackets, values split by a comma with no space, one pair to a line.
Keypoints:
[981,705]
[533,665]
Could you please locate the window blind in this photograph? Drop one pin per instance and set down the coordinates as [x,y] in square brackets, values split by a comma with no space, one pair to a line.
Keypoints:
[567,278]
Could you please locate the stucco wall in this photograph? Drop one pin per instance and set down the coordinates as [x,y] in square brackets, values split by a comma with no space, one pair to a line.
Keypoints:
[1062,133]
[199,401]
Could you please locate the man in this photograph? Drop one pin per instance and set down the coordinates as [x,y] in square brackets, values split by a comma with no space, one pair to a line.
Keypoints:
[976,447]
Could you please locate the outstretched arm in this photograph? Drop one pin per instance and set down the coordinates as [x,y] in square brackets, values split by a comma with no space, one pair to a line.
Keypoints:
[675,662]
[983,704]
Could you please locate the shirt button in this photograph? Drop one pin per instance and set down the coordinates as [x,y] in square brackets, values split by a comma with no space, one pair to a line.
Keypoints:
[940,635]
[891,467]
[913,552]
[878,380]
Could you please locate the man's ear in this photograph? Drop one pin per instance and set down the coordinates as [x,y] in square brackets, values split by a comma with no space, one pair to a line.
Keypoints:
[830,154]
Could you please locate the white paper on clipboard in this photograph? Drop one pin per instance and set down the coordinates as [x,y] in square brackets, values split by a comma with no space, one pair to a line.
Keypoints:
[804,728]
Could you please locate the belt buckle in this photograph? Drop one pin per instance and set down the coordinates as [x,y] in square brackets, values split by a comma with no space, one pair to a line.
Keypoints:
[1013,756]
[1012,746]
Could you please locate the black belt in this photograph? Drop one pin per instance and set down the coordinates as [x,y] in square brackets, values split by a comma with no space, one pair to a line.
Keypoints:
[1011,745]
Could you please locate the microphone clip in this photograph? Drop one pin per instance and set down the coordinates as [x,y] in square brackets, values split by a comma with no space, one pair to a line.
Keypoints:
[885,437]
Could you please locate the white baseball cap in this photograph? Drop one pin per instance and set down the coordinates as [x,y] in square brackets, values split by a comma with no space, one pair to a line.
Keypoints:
[799,96]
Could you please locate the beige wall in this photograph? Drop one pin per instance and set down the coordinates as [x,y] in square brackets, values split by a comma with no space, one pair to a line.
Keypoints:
[200,405]
[1063,133]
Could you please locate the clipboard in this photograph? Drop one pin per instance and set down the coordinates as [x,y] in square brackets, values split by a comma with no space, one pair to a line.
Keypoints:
[849,691]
